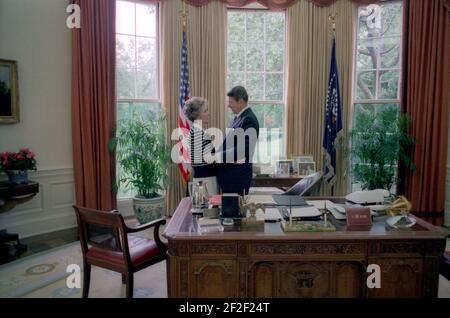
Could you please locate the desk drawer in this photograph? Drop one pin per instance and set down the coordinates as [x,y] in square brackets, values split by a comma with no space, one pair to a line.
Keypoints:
[308,249]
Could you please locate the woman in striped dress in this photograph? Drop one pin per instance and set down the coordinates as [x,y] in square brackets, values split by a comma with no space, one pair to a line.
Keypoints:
[201,145]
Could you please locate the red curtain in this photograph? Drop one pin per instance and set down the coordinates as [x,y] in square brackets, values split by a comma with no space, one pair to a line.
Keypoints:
[283,4]
[274,4]
[93,103]
[427,100]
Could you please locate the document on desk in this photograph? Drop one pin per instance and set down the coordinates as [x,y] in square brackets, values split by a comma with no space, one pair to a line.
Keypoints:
[271,215]
[304,212]
[263,199]
[320,204]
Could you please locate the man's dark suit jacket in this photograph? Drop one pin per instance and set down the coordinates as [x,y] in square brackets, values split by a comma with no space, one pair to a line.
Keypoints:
[236,178]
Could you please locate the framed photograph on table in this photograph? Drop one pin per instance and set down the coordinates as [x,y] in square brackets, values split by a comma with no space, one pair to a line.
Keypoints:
[306,168]
[283,169]
[9,92]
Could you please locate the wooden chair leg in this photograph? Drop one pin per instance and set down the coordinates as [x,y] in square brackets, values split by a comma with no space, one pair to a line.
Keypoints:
[129,279]
[86,279]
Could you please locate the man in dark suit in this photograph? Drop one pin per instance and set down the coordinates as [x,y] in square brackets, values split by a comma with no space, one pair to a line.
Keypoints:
[235,174]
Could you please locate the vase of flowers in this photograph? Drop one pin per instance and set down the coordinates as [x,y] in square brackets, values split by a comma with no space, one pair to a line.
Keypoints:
[17,164]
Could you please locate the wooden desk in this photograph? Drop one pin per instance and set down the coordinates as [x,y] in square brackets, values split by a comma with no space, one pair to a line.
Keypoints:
[277,264]
[274,181]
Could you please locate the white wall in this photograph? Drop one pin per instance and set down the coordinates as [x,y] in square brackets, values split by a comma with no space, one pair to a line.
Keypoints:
[34,33]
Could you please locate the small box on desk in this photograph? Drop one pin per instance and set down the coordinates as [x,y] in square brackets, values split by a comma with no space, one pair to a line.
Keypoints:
[358,219]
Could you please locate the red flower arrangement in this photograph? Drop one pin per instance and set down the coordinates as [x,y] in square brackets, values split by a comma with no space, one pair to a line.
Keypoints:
[22,160]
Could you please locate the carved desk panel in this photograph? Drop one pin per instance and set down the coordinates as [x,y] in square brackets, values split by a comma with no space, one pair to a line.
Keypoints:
[272,263]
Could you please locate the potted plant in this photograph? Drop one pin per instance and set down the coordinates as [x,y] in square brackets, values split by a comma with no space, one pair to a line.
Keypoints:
[17,164]
[143,156]
[379,142]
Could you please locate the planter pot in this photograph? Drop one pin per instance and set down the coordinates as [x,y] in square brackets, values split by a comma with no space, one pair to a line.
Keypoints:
[147,210]
[18,176]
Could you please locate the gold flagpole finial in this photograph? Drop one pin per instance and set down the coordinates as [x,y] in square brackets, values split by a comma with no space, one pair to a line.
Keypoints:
[332,18]
[184,15]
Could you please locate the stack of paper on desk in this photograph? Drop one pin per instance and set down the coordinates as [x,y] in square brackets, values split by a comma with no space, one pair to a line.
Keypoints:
[337,210]
[304,212]
[271,215]
[206,225]
[263,199]
[266,191]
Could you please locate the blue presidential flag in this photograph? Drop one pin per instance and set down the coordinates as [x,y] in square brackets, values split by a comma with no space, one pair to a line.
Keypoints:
[333,120]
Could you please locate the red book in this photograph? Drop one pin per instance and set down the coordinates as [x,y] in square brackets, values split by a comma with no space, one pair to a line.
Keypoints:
[216,199]
[358,217]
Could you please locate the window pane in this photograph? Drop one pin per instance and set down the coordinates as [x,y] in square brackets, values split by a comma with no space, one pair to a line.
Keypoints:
[365,88]
[390,55]
[255,86]
[236,26]
[136,64]
[377,78]
[372,144]
[126,51]
[255,27]
[380,20]
[274,87]
[270,143]
[255,57]
[275,24]
[125,19]
[125,111]
[235,79]
[146,53]
[125,83]
[388,85]
[391,19]
[145,84]
[260,70]
[274,57]
[145,20]
[367,54]
[236,57]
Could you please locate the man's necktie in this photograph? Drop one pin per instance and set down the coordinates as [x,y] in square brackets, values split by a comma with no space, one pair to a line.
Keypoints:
[236,118]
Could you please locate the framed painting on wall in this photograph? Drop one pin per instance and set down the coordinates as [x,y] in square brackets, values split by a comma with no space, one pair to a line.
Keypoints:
[9,92]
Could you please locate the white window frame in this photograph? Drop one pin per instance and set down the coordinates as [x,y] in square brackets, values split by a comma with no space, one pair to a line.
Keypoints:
[379,102]
[256,7]
[158,58]
[124,204]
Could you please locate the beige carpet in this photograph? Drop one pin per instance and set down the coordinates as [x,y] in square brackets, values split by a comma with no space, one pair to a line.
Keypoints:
[44,276]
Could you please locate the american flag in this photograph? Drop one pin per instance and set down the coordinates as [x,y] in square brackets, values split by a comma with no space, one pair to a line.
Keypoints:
[183,123]
[333,120]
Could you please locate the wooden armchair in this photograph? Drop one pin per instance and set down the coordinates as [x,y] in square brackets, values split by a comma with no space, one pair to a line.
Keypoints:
[105,243]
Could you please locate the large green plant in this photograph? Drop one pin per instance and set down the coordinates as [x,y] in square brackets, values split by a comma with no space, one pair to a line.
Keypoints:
[142,154]
[379,141]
